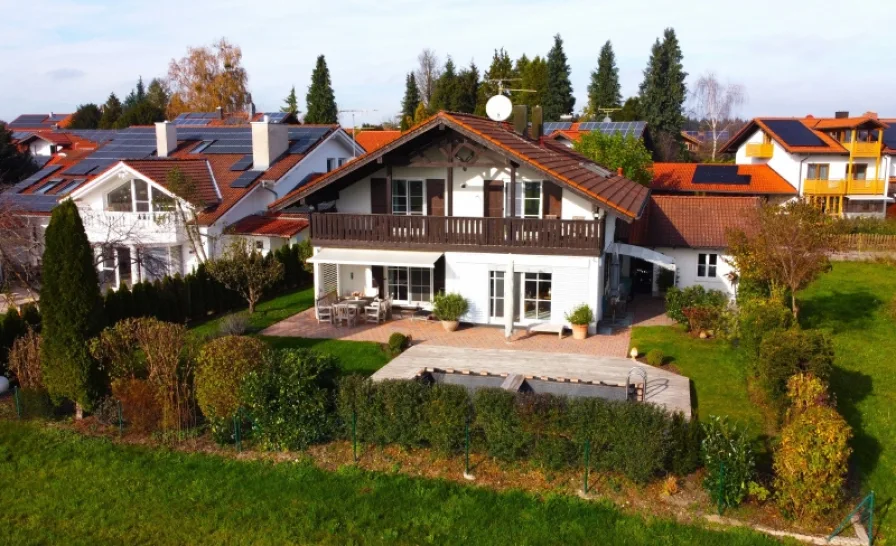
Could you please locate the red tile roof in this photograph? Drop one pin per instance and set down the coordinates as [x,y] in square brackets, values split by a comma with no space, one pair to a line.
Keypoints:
[818,126]
[692,221]
[678,177]
[373,140]
[202,191]
[272,225]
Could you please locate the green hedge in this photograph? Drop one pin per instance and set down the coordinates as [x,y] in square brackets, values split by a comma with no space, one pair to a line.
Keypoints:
[14,324]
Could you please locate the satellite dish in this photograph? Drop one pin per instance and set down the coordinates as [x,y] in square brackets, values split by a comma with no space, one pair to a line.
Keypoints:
[498,108]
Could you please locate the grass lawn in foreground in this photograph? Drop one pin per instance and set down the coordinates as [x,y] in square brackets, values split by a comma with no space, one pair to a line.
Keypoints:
[363,357]
[62,488]
[267,313]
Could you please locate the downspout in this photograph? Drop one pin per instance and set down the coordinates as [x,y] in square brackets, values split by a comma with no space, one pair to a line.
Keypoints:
[800,178]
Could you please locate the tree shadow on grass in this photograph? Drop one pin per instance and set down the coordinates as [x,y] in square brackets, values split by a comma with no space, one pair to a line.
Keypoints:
[841,310]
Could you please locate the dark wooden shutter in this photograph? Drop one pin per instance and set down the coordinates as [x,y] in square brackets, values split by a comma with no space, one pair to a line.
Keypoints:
[435,196]
[379,279]
[438,276]
[552,199]
[493,199]
[379,203]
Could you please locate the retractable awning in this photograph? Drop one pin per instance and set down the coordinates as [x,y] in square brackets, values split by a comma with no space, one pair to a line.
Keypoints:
[869,198]
[395,258]
[645,254]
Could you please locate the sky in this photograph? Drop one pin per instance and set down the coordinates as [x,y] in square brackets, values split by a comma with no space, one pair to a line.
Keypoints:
[793,57]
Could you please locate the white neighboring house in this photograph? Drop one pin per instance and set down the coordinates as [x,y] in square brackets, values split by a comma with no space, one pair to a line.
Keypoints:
[144,228]
[516,224]
[843,164]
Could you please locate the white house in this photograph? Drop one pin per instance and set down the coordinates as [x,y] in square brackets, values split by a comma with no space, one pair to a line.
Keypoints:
[517,224]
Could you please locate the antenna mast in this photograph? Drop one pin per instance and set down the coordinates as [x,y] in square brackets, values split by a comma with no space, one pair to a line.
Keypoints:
[354,127]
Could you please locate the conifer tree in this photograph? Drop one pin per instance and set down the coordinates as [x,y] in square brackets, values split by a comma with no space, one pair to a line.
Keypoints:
[467,89]
[15,164]
[320,101]
[411,97]
[663,90]
[111,112]
[158,95]
[533,75]
[444,97]
[87,116]
[72,310]
[420,114]
[604,90]
[291,102]
[500,69]
[558,100]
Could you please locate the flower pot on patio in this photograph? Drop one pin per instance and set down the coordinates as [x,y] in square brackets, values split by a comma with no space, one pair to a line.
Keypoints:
[450,325]
[580,317]
[579,331]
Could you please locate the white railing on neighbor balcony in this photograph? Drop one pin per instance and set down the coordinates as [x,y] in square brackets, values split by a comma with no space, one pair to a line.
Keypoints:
[137,225]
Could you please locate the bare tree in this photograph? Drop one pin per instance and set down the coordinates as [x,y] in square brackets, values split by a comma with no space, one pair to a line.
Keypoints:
[715,103]
[427,73]
[21,248]
[243,269]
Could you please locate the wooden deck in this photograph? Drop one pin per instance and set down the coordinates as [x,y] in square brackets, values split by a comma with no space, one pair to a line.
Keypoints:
[664,388]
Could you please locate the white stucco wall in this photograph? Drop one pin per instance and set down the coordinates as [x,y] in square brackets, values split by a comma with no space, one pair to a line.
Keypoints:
[686,269]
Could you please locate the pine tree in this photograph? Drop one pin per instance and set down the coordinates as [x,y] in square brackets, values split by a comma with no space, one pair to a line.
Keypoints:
[444,97]
[15,164]
[604,90]
[467,89]
[533,75]
[111,112]
[72,310]
[558,100]
[500,69]
[411,97]
[291,102]
[87,116]
[663,90]
[157,94]
[320,101]
[136,96]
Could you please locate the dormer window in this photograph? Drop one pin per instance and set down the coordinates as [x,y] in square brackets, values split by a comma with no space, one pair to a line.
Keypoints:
[137,196]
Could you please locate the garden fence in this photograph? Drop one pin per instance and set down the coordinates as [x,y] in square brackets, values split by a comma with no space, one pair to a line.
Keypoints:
[867,242]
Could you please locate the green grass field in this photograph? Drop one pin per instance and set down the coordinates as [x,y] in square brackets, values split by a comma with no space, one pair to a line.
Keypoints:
[63,488]
[266,313]
[363,357]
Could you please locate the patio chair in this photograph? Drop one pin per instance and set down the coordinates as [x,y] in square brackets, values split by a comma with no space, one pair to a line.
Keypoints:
[372,313]
[351,315]
[324,313]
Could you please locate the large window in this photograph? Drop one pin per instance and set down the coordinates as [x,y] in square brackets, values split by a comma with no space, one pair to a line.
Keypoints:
[162,202]
[859,171]
[707,265]
[528,199]
[161,261]
[410,284]
[496,294]
[134,196]
[407,197]
[120,199]
[817,171]
[537,296]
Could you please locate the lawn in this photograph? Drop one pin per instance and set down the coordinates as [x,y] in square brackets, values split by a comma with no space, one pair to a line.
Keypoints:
[63,488]
[266,313]
[363,357]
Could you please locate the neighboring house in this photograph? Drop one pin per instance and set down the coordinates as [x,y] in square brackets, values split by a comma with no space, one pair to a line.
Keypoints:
[372,140]
[691,142]
[159,200]
[843,164]
[720,180]
[569,133]
[693,231]
[517,224]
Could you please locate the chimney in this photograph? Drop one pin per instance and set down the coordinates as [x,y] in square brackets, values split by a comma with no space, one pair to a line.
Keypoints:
[619,171]
[841,114]
[220,112]
[250,109]
[870,114]
[520,119]
[269,141]
[537,123]
[166,138]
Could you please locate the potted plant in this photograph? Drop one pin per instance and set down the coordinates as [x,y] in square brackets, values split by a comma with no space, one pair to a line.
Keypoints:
[448,308]
[580,317]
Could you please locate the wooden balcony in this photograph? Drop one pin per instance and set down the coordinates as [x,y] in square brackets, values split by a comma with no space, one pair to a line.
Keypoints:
[873,186]
[763,151]
[824,187]
[456,233]
[864,149]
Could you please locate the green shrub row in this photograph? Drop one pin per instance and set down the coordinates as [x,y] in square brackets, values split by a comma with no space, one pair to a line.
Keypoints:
[13,324]
[678,301]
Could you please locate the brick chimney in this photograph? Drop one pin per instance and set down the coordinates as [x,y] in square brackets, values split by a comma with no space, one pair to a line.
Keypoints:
[520,119]
[269,141]
[841,114]
[537,129]
[619,171]
[166,138]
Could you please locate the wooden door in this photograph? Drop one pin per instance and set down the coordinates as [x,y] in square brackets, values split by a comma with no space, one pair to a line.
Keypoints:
[379,197]
[552,200]
[435,197]
[493,199]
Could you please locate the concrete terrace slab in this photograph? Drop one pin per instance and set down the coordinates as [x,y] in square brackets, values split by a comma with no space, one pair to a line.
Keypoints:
[664,388]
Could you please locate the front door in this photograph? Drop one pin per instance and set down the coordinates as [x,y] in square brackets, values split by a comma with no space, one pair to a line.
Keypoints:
[494,199]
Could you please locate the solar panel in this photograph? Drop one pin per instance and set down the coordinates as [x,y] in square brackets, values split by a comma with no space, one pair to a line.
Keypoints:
[67,189]
[276,117]
[52,183]
[21,135]
[246,179]
[33,203]
[39,175]
[719,174]
[83,167]
[793,132]
[40,160]
[242,164]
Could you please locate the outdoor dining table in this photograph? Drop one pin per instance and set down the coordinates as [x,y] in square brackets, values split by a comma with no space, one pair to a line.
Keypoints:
[358,304]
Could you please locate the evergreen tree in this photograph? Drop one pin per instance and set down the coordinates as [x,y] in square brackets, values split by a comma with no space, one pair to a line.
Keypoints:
[631,111]
[604,90]
[500,69]
[138,109]
[533,75]
[15,164]
[467,89]
[444,97]
[157,95]
[411,97]
[291,102]
[558,100]
[137,95]
[72,310]
[320,101]
[420,114]
[663,90]
[111,112]
[87,116]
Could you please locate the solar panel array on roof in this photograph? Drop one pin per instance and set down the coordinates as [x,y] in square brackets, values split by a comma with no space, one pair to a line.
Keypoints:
[276,117]
[132,143]
[21,135]
[625,128]
[29,120]
[304,138]
[246,179]
[67,189]
[195,118]
[719,174]
[40,160]
[242,163]
[99,136]
[32,203]
[793,132]
[57,117]
[52,183]
[551,126]
[39,175]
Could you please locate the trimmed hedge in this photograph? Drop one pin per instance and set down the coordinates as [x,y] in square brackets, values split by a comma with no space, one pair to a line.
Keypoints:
[677,300]
[785,353]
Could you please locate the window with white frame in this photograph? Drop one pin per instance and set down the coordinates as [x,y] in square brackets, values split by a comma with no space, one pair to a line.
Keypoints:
[407,197]
[137,196]
[160,261]
[537,296]
[707,265]
[410,284]
[335,162]
[528,199]
[496,294]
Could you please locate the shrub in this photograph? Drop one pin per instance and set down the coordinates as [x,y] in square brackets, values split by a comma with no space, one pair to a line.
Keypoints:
[729,460]
[811,462]
[785,353]
[446,412]
[497,418]
[140,407]
[693,296]
[353,395]
[702,319]
[544,420]
[24,361]
[450,306]
[234,324]
[116,350]
[395,412]
[291,399]
[757,318]
[683,456]
[398,342]
[805,391]
[655,357]
[106,411]
[581,315]
[31,316]
[222,367]
[13,327]
[36,403]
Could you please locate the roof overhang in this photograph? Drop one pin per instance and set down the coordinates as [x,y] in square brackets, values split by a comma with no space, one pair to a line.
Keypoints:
[392,258]
[642,253]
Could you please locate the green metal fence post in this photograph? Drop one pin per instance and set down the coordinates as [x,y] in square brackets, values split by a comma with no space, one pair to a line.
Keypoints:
[871,519]
[15,392]
[120,420]
[721,488]
[355,435]
[237,431]
[587,463]
[467,448]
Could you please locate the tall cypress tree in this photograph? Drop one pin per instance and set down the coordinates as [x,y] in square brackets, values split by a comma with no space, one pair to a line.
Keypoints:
[558,100]
[72,310]
[291,102]
[411,96]
[663,90]
[604,90]
[533,75]
[320,101]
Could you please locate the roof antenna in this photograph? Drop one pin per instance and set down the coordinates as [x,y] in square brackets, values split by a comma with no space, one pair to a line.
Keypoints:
[499,107]
[354,128]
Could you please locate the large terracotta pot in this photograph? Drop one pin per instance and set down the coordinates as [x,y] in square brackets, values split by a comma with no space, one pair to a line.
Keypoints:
[579,331]
[450,325]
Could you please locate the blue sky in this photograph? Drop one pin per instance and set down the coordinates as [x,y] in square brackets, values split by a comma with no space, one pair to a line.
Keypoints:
[793,57]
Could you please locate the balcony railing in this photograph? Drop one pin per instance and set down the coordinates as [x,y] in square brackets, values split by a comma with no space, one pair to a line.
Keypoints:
[872,186]
[143,227]
[763,151]
[517,235]
[864,149]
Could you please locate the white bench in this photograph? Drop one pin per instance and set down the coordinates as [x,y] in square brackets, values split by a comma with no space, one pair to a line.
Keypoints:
[547,328]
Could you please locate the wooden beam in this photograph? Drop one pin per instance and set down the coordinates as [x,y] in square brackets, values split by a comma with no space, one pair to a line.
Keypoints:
[449,191]
[512,190]
[389,188]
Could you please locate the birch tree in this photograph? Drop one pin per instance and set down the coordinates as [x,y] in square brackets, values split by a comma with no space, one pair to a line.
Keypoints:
[427,74]
[715,103]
